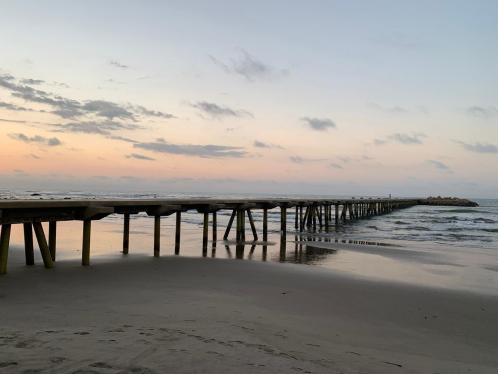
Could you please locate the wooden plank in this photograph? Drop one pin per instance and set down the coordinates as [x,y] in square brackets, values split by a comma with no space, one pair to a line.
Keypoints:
[4,247]
[253,227]
[29,251]
[52,238]
[42,244]
[157,236]
[85,252]
[126,233]
[229,226]
[178,231]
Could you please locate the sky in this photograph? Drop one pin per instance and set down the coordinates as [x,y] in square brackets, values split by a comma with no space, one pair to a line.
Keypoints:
[313,97]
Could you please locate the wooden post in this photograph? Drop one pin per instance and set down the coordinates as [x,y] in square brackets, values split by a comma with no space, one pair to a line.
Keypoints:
[301,223]
[42,243]
[87,230]
[229,227]
[215,229]
[126,233]
[205,229]
[157,236]
[52,238]
[28,244]
[253,227]
[4,247]
[239,228]
[177,232]
[283,220]
[243,225]
[336,214]
[296,226]
[265,224]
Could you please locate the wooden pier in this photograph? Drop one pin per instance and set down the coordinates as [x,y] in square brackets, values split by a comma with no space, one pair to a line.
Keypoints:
[308,215]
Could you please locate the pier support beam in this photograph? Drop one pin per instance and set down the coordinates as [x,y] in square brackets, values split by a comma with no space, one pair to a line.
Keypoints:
[42,243]
[283,220]
[157,236]
[229,226]
[177,232]
[253,227]
[4,247]
[28,244]
[205,230]
[215,229]
[265,224]
[126,233]
[336,214]
[87,231]
[52,238]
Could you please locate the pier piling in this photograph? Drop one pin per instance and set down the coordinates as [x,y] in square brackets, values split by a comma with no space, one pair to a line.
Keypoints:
[28,244]
[4,247]
[52,238]
[42,244]
[177,232]
[85,252]
[157,236]
[126,233]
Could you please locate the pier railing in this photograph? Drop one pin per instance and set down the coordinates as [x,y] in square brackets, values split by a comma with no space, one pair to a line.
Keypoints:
[309,214]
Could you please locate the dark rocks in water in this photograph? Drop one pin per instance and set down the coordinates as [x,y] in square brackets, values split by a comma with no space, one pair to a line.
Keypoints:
[447,201]
[35,194]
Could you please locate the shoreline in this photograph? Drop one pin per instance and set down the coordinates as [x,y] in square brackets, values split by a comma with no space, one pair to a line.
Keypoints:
[182,315]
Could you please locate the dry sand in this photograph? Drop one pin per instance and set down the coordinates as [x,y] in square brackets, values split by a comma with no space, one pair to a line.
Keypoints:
[190,315]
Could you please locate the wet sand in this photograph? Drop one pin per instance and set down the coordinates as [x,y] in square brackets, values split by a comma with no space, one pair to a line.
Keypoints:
[192,315]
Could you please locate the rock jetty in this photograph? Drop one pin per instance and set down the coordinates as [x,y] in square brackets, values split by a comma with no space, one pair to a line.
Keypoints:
[447,201]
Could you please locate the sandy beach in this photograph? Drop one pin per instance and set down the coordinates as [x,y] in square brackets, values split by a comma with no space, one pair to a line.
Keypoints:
[193,315]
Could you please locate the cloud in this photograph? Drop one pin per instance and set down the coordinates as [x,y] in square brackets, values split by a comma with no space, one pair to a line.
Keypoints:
[415,138]
[479,147]
[13,107]
[301,160]
[32,82]
[152,113]
[260,144]
[95,127]
[11,120]
[217,111]
[482,112]
[107,109]
[439,165]
[51,142]
[204,151]
[140,157]
[248,67]
[336,166]
[118,64]
[72,109]
[319,124]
